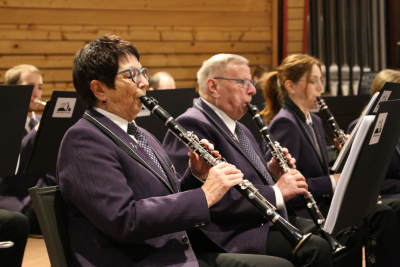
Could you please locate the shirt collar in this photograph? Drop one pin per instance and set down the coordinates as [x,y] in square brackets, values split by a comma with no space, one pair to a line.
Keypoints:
[231,124]
[308,118]
[114,118]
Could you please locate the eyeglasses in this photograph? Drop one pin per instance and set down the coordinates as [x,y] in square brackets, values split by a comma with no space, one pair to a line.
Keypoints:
[135,74]
[314,82]
[245,83]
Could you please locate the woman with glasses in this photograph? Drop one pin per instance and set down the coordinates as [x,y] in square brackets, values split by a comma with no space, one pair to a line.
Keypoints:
[124,202]
[290,93]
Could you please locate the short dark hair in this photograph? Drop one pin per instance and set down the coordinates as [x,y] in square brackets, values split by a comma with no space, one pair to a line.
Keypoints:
[261,69]
[99,60]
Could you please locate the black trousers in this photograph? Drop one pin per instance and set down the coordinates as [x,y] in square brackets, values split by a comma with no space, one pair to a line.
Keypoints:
[14,227]
[314,253]
[34,226]
[210,259]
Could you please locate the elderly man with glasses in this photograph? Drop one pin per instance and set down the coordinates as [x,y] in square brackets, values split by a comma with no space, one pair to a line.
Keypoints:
[225,86]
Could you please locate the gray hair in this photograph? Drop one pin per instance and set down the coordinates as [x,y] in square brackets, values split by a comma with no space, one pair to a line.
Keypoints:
[214,64]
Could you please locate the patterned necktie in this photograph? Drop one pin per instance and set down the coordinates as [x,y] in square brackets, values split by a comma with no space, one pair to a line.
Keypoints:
[142,142]
[32,123]
[251,153]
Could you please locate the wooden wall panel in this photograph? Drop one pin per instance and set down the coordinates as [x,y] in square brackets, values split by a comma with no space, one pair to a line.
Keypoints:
[174,36]
[295,25]
[180,5]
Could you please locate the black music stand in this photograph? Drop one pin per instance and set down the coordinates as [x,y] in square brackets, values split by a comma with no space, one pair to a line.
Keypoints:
[175,101]
[390,91]
[368,170]
[62,111]
[14,105]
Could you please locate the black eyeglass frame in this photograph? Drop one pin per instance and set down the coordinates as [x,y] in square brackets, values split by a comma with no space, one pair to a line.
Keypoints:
[237,80]
[140,73]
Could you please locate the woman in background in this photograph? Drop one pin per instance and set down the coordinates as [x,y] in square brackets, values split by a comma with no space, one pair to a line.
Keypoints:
[391,185]
[290,93]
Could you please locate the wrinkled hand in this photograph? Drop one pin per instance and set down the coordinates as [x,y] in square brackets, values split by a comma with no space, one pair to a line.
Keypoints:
[199,166]
[219,180]
[275,168]
[292,184]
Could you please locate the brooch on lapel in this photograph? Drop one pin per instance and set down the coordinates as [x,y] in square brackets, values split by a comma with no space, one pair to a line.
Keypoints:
[134,146]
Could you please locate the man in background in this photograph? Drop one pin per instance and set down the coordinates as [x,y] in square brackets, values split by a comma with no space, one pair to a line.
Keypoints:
[14,194]
[27,75]
[161,80]
[260,74]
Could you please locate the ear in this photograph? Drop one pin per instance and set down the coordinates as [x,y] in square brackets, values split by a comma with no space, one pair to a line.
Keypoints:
[98,89]
[289,85]
[212,88]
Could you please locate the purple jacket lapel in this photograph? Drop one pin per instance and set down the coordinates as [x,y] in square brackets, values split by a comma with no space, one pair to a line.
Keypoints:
[218,120]
[125,137]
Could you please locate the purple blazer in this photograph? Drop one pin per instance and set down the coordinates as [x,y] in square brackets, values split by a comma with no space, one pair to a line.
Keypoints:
[289,129]
[391,185]
[236,225]
[14,189]
[120,213]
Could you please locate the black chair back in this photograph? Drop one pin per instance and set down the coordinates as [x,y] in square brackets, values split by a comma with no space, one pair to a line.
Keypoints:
[51,211]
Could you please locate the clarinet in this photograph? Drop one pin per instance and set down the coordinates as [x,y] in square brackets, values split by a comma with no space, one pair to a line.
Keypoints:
[337,132]
[295,237]
[276,151]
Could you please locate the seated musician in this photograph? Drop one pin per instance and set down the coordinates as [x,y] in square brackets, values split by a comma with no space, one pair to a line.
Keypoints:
[391,185]
[290,93]
[14,194]
[125,205]
[236,226]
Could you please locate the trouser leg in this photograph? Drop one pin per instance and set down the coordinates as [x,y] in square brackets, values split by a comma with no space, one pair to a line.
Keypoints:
[34,226]
[207,259]
[315,252]
[14,227]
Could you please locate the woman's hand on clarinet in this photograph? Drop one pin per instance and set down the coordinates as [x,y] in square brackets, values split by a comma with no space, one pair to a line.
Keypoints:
[197,165]
[337,144]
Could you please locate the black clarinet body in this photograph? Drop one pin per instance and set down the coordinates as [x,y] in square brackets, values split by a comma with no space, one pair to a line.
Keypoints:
[337,132]
[309,202]
[295,237]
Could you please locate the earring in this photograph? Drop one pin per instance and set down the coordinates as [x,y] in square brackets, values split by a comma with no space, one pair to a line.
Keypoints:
[103,102]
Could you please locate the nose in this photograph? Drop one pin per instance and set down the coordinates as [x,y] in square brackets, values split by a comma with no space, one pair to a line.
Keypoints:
[252,90]
[35,91]
[143,83]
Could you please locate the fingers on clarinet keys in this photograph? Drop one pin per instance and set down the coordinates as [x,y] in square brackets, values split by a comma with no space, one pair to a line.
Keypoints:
[220,179]
[292,184]
[210,147]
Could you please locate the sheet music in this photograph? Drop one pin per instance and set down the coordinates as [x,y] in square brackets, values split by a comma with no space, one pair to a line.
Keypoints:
[349,141]
[359,138]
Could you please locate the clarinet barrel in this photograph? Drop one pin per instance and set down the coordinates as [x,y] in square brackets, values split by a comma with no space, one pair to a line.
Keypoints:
[295,237]
[337,132]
